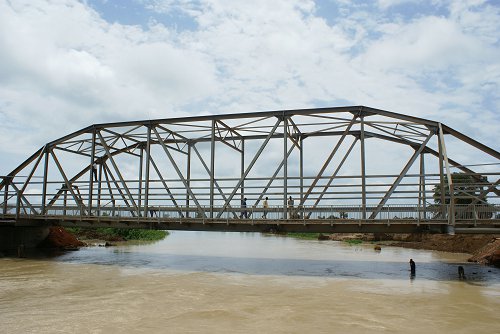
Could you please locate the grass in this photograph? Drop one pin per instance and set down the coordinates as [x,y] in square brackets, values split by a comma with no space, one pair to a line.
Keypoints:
[354,241]
[114,234]
[314,236]
[308,236]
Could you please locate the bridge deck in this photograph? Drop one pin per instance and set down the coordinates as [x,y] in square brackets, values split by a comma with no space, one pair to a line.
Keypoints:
[257,225]
[327,219]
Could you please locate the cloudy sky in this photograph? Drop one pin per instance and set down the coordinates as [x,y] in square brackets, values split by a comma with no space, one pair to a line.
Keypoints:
[66,64]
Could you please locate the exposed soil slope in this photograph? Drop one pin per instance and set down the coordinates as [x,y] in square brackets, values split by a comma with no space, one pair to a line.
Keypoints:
[485,248]
[59,238]
[447,243]
[488,254]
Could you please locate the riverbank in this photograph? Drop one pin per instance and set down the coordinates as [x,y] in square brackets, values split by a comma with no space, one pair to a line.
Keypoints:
[111,235]
[74,238]
[484,248]
[59,238]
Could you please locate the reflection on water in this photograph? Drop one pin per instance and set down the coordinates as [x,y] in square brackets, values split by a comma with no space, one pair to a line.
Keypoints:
[243,283]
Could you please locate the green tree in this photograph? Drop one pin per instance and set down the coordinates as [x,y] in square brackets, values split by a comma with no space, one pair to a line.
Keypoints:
[466,191]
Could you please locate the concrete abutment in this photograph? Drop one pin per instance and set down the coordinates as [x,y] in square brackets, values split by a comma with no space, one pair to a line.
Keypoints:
[13,237]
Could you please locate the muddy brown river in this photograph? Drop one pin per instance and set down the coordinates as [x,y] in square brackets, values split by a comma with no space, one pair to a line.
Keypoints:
[208,282]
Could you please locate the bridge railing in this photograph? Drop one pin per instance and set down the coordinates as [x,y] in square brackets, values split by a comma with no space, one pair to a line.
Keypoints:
[472,213]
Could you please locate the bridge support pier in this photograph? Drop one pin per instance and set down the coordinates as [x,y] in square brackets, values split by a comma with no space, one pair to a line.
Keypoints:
[450,229]
[12,237]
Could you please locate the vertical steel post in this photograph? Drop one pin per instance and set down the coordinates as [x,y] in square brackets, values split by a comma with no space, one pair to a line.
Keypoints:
[18,205]
[148,154]
[65,202]
[242,172]
[212,169]
[6,195]
[285,166]
[441,179]
[451,217]
[99,191]
[92,171]
[141,163]
[45,176]
[188,174]
[363,169]
[422,198]
[301,168]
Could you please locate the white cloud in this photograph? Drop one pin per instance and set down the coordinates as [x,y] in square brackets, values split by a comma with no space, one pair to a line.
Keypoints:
[427,44]
[385,4]
[63,66]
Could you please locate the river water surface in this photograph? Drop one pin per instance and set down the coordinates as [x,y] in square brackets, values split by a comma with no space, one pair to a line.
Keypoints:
[208,282]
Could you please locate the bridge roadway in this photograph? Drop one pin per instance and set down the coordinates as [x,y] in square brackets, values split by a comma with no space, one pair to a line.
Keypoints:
[405,219]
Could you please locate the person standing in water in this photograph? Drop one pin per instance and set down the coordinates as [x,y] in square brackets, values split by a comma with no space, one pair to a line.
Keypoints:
[412,267]
[461,272]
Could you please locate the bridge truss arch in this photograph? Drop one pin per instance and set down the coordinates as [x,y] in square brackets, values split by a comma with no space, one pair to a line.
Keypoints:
[346,163]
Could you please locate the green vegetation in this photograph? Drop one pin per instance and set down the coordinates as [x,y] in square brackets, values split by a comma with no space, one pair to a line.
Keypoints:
[469,193]
[117,234]
[316,236]
[466,189]
[342,215]
[308,236]
[354,241]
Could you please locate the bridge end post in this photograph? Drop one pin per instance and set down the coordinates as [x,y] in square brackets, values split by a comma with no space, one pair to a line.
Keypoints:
[13,237]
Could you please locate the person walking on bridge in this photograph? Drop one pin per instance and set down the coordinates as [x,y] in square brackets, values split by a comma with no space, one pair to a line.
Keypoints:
[265,206]
[244,212]
[290,207]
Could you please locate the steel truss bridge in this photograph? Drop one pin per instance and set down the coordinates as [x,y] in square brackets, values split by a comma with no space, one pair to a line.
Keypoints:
[342,169]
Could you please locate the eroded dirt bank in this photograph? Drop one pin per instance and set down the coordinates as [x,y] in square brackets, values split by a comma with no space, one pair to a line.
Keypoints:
[484,248]
[61,239]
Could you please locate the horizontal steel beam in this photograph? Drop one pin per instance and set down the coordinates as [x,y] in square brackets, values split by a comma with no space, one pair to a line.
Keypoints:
[312,226]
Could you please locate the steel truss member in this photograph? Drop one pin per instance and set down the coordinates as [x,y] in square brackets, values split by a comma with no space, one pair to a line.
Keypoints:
[343,164]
